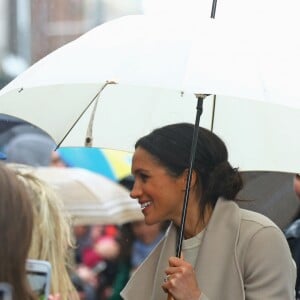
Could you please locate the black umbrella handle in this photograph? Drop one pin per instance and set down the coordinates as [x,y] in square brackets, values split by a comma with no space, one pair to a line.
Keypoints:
[200,98]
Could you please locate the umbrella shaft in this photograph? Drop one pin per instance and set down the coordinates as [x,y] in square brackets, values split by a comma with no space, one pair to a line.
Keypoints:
[188,183]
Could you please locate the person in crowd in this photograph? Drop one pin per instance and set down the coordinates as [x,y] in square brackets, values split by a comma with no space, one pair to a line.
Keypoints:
[227,252]
[292,234]
[146,238]
[52,239]
[99,259]
[125,240]
[137,240]
[297,185]
[56,160]
[82,239]
[30,148]
[102,245]
[16,222]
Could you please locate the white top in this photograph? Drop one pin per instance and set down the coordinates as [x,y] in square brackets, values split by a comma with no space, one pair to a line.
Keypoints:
[190,248]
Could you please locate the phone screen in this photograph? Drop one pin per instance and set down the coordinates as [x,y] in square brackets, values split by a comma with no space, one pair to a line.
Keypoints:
[5,291]
[3,295]
[38,282]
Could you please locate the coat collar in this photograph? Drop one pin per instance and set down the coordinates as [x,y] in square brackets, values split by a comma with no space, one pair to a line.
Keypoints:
[216,267]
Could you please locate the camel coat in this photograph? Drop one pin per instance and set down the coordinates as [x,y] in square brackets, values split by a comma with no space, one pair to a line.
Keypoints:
[243,255]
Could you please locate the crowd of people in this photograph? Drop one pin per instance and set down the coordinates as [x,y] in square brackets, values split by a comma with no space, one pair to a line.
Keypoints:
[227,252]
[87,261]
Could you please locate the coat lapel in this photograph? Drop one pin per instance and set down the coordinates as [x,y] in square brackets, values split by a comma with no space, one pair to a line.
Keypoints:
[217,267]
[146,282]
[169,249]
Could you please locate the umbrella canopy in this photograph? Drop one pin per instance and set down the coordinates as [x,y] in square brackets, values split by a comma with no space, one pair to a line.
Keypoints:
[153,60]
[8,122]
[114,165]
[12,126]
[270,193]
[91,198]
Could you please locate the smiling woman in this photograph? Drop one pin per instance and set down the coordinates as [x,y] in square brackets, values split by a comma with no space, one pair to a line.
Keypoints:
[215,228]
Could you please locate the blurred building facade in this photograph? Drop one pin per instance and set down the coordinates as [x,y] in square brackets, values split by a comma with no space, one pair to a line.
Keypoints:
[30,29]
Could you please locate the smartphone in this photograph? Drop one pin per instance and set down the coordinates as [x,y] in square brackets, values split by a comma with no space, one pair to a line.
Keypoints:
[5,291]
[39,277]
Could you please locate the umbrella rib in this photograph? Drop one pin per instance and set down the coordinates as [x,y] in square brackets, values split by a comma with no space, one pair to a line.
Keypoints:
[96,97]
[213,114]
[89,134]
[212,15]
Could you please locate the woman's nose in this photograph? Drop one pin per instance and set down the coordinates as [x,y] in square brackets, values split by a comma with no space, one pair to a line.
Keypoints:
[135,192]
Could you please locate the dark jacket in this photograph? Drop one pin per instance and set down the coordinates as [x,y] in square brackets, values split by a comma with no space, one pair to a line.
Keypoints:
[292,234]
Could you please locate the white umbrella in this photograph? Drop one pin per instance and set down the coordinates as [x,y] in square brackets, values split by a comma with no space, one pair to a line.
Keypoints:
[153,60]
[118,50]
[89,197]
[149,58]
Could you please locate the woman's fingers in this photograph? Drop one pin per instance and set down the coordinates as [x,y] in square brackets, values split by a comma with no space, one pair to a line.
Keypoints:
[180,280]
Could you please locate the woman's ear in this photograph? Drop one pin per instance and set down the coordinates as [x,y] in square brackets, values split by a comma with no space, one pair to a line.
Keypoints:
[194,179]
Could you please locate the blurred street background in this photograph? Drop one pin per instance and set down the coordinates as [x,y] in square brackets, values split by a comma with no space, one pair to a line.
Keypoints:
[30,29]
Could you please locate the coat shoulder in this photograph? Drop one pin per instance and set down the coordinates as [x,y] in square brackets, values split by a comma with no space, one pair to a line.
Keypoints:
[258,220]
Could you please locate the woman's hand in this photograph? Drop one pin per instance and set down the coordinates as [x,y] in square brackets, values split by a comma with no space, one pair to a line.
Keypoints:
[181,280]
[87,275]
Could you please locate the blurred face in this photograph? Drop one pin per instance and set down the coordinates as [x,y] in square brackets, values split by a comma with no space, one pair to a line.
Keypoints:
[96,232]
[146,233]
[56,161]
[297,185]
[159,194]
[80,230]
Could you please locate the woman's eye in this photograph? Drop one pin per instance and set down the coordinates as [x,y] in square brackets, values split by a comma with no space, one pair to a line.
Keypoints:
[144,177]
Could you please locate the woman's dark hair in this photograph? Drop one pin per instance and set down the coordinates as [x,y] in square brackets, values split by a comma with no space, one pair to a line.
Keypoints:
[16,223]
[171,146]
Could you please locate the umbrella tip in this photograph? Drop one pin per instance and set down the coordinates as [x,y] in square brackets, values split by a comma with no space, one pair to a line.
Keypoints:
[111,82]
[88,141]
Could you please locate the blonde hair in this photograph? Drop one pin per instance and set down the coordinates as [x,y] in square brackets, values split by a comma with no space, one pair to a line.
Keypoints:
[52,239]
[16,223]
